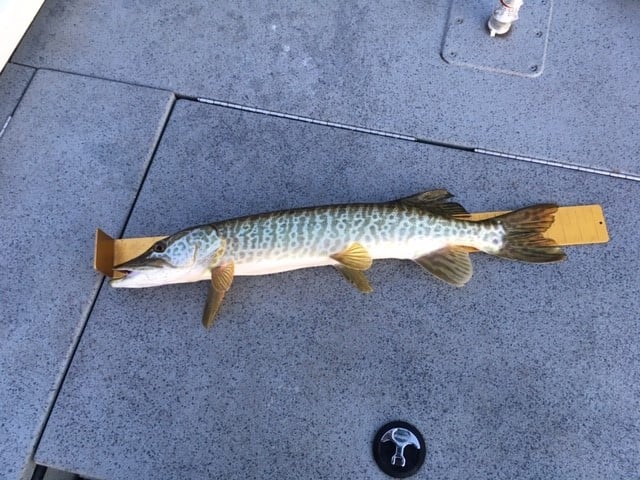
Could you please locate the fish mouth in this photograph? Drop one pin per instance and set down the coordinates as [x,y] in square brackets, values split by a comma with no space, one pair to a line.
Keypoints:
[133,273]
[142,264]
[139,272]
[124,277]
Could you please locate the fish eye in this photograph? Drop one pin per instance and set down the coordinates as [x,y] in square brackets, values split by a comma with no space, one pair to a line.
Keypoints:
[159,247]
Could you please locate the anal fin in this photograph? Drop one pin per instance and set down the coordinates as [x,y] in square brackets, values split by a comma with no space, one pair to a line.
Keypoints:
[449,264]
[221,279]
[356,277]
[355,257]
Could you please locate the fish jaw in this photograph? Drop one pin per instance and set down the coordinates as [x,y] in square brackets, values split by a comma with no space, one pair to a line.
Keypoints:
[146,271]
[156,277]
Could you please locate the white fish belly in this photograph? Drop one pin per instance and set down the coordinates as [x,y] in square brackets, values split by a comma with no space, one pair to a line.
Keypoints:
[267,266]
[405,250]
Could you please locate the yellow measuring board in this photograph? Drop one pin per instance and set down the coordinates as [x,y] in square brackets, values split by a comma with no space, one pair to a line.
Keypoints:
[575,225]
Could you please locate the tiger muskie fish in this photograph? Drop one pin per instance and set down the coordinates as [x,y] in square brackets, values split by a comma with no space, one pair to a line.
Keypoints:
[426,228]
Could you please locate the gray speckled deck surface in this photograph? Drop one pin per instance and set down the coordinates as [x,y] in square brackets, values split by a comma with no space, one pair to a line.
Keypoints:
[509,377]
[13,83]
[376,65]
[61,158]
[527,372]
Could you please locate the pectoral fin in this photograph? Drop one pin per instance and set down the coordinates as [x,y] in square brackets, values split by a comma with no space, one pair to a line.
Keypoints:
[449,264]
[221,279]
[355,257]
[356,277]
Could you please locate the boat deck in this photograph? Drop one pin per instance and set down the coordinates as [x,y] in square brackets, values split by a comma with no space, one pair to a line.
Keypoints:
[142,118]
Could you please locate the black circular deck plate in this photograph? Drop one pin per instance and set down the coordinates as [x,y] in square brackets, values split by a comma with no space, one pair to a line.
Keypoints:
[383,451]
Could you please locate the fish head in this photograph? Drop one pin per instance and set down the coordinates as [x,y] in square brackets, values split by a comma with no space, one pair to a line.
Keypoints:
[186,256]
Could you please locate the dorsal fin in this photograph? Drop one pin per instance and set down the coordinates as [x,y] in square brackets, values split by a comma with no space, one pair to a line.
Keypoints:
[435,201]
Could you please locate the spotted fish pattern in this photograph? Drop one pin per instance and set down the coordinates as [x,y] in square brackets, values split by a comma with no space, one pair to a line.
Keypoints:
[314,234]
[426,228]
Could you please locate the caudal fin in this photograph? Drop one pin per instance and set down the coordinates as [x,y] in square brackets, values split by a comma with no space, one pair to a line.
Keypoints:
[524,240]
